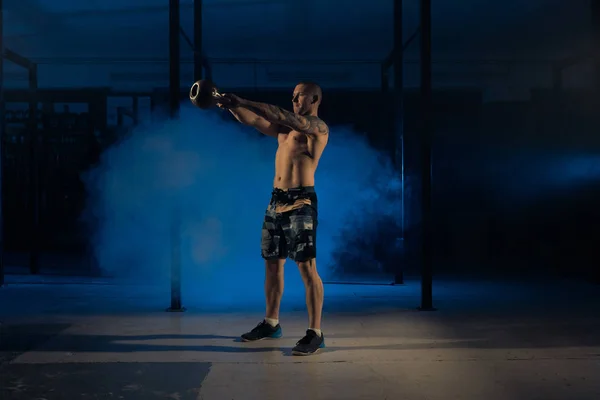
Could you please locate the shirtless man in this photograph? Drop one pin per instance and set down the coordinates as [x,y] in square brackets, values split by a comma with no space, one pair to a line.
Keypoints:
[290,224]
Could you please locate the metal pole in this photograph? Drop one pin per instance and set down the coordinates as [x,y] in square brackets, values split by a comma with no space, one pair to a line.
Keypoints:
[174,100]
[595,12]
[426,142]
[176,303]
[198,50]
[34,251]
[174,59]
[2,136]
[399,115]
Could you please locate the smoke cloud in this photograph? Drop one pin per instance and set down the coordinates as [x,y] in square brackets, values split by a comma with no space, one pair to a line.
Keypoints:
[215,175]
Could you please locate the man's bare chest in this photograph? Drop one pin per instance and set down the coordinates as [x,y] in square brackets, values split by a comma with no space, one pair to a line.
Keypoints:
[293,143]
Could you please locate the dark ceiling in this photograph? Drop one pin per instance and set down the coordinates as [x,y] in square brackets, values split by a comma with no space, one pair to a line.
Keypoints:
[351,29]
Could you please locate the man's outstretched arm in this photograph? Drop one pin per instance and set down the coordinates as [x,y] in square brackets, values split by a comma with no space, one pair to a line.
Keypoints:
[250,118]
[278,115]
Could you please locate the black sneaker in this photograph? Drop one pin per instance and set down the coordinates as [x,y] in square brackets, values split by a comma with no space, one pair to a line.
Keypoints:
[309,344]
[263,331]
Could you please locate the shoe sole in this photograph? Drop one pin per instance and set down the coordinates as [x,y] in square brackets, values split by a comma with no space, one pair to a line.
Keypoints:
[299,353]
[258,340]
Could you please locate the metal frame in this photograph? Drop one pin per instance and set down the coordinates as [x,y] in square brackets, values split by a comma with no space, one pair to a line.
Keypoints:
[200,62]
[197,47]
[2,132]
[31,67]
[426,143]
[398,57]
[174,105]
[595,17]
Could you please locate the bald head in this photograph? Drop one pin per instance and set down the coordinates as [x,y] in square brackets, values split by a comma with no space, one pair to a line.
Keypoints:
[312,88]
[307,98]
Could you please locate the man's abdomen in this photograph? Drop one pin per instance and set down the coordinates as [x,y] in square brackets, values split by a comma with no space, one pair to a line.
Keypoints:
[297,173]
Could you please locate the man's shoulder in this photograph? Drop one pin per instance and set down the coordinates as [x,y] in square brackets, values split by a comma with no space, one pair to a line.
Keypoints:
[318,125]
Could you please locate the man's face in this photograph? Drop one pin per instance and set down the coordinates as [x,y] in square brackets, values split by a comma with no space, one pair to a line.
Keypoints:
[302,100]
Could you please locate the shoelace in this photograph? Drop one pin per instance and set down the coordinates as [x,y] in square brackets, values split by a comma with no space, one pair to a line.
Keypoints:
[260,325]
[306,339]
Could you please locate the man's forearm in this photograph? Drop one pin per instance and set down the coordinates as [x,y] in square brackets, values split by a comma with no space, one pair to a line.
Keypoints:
[277,115]
[245,116]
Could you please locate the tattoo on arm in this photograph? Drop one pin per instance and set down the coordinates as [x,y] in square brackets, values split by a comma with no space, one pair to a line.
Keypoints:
[283,117]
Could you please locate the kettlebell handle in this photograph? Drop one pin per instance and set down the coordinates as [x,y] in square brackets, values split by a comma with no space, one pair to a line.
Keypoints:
[204,94]
[196,88]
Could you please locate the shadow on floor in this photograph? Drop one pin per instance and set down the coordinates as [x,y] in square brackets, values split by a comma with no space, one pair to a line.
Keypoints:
[18,339]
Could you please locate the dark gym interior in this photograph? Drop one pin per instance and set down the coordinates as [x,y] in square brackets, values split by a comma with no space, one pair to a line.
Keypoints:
[458,195]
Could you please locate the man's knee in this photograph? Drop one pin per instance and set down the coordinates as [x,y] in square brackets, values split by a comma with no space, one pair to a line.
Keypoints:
[308,270]
[274,267]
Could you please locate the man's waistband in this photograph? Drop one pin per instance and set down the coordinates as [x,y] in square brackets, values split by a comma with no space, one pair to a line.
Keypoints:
[292,194]
[296,190]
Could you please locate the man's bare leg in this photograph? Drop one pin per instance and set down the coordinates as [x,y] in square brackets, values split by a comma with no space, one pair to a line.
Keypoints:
[273,287]
[314,292]
[270,328]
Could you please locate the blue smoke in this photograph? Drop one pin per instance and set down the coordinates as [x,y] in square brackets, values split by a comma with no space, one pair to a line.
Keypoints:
[216,174]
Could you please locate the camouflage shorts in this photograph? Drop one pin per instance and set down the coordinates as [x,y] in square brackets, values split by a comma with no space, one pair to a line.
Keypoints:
[290,234]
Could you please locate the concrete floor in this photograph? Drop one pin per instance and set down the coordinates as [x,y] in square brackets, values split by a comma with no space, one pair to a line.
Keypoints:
[94,339]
